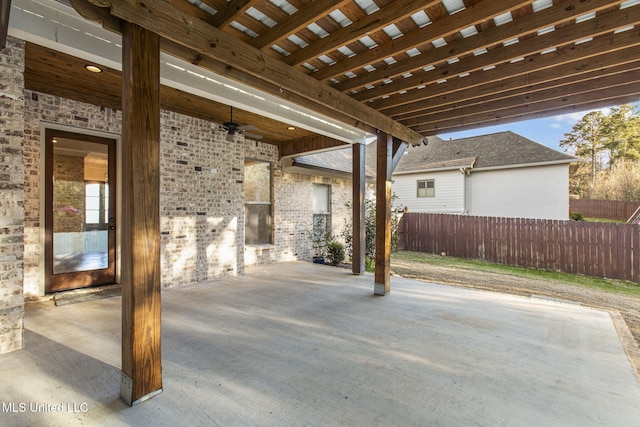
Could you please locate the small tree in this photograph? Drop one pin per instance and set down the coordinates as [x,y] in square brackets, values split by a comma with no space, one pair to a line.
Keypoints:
[622,128]
[602,141]
[587,140]
[320,236]
[370,232]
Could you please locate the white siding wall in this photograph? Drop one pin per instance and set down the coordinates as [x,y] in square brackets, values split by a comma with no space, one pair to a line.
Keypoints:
[535,192]
[449,189]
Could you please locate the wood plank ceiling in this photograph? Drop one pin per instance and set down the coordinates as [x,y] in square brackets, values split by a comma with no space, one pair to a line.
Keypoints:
[410,68]
[60,74]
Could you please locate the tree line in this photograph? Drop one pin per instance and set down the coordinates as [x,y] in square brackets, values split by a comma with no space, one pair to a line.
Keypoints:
[608,146]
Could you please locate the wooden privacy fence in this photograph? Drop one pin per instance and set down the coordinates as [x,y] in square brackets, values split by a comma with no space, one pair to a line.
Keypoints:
[593,249]
[609,209]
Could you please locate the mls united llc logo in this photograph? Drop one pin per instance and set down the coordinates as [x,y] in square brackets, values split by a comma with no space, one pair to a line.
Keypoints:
[23,407]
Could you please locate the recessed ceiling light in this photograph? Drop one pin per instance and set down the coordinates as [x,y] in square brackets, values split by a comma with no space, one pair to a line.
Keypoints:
[291,128]
[93,68]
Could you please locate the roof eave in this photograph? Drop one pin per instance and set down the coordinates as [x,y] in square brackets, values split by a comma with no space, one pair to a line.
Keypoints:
[527,165]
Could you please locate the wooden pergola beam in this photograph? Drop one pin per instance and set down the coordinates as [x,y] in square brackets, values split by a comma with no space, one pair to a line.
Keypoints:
[569,89]
[472,15]
[573,72]
[303,17]
[164,19]
[307,145]
[584,57]
[227,15]
[395,11]
[140,225]
[604,98]
[495,36]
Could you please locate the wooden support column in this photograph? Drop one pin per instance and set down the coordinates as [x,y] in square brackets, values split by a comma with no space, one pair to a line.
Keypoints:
[384,158]
[359,236]
[141,358]
[5,8]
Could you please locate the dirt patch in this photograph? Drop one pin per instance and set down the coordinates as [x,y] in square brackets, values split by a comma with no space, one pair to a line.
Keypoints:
[628,306]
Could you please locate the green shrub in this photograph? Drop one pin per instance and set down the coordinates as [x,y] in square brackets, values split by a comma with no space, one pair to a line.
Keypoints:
[576,216]
[335,252]
[369,265]
[370,230]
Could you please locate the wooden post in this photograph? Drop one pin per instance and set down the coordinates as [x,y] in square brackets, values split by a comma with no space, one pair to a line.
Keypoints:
[141,358]
[359,236]
[5,9]
[382,285]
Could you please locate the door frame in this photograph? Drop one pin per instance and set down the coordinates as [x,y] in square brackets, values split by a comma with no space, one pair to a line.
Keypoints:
[46,217]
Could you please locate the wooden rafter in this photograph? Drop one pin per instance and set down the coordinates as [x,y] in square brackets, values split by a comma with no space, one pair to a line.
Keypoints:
[163,19]
[464,19]
[493,37]
[309,144]
[303,17]
[569,60]
[609,96]
[538,99]
[527,114]
[490,53]
[228,14]
[371,23]
[526,88]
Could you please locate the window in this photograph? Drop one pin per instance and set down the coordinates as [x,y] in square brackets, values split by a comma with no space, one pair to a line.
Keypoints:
[96,200]
[257,203]
[321,210]
[427,188]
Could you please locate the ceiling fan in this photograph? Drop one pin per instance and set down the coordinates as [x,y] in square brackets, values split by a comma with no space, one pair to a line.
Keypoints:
[233,128]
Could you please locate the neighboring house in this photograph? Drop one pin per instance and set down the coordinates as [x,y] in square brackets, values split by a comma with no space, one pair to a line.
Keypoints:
[501,174]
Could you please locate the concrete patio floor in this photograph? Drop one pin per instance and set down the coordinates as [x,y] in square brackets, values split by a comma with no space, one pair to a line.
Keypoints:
[301,344]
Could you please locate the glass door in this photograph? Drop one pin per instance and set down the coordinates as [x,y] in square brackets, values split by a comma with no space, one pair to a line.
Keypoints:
[80,221]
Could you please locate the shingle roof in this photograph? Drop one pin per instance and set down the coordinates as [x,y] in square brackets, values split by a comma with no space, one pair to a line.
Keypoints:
[496,150]
[338,160]
[500,149]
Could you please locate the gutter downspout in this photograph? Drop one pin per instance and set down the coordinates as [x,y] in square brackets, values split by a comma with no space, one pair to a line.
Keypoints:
[466,171]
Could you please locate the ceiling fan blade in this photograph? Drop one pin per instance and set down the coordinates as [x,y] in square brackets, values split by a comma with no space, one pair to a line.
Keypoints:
[253,135]
[247,127]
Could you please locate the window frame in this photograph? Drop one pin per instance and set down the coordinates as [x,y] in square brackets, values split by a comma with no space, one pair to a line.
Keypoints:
[326,217]
[426,188]
[259,203]
[102,210]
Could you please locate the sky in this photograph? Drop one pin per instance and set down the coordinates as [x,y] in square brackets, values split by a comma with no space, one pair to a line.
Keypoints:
[548,131]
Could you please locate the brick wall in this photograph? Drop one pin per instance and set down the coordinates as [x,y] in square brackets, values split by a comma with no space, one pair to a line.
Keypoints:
[11,196]
[202,191]
[202,187]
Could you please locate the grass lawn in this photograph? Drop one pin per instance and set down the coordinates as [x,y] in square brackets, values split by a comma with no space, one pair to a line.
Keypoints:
[604,220]
[608,285]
